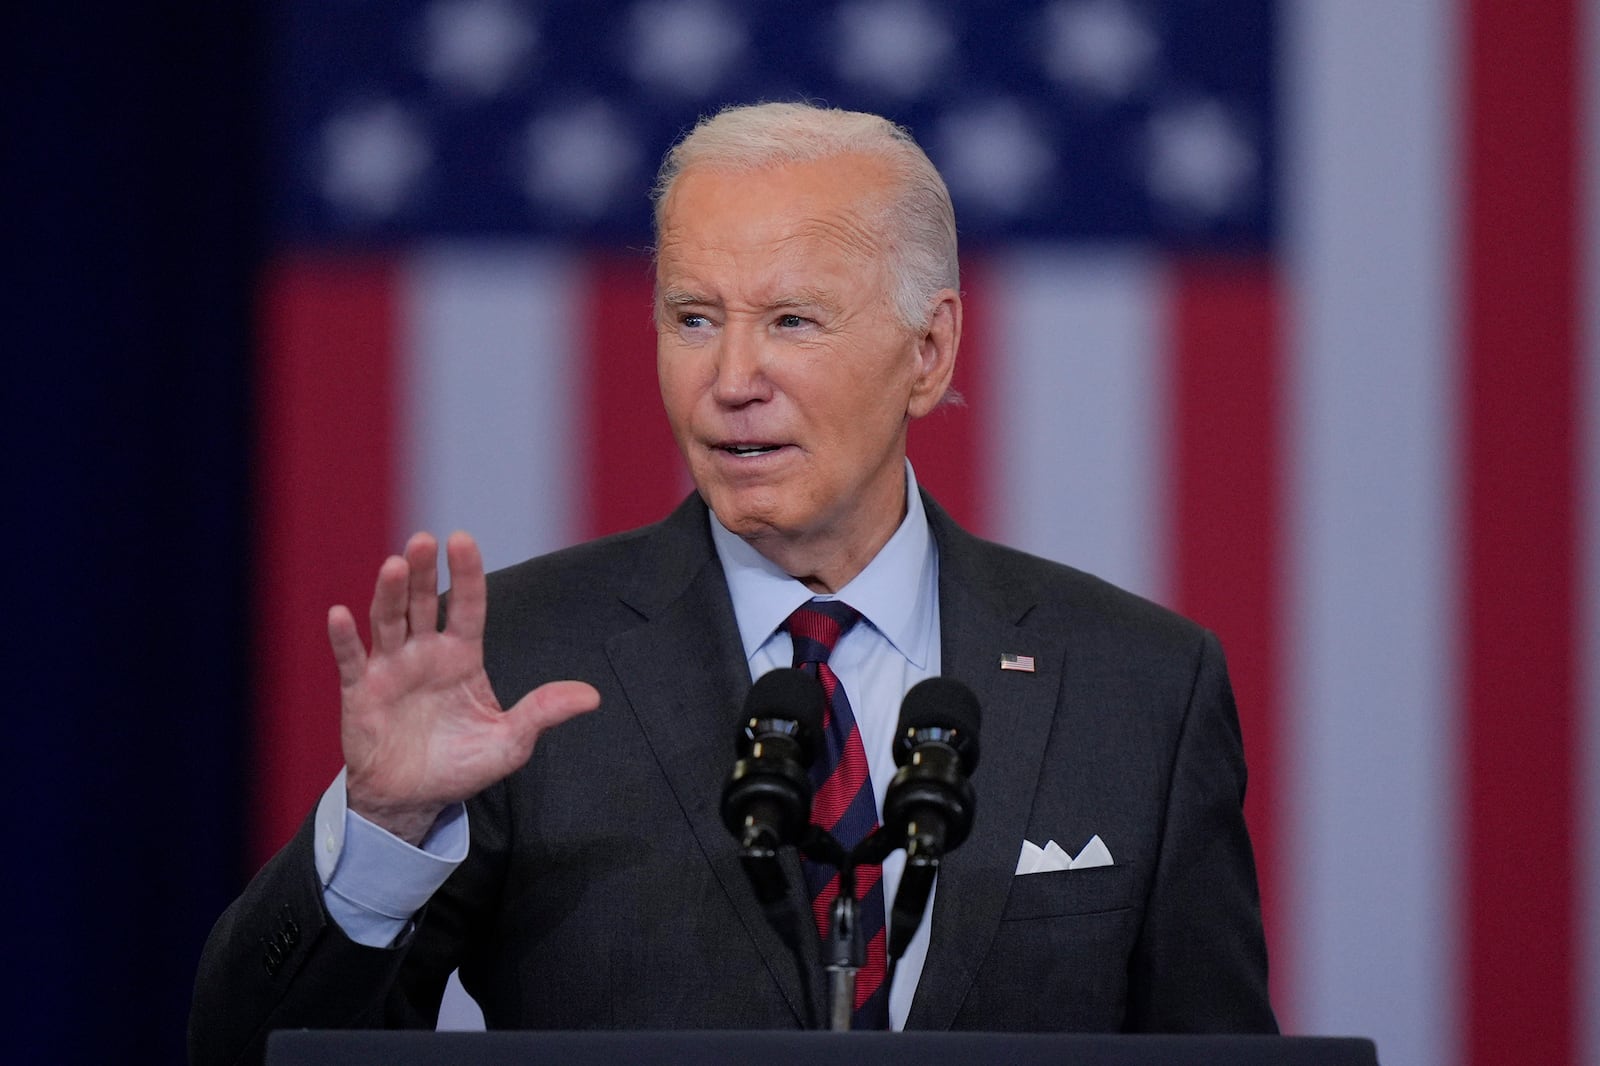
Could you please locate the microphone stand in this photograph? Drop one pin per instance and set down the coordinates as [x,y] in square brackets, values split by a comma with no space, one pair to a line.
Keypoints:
[844,951]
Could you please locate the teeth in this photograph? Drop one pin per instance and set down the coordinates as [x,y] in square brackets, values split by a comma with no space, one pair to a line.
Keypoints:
[751,449]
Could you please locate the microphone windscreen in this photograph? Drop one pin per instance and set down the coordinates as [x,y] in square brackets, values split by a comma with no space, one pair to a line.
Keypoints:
[940,703]
[787,693]
[943,703]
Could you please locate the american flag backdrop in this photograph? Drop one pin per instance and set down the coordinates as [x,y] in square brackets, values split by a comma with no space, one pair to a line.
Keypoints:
[1284,314]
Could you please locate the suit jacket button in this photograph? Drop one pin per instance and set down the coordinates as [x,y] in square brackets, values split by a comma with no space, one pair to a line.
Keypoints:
[272,957]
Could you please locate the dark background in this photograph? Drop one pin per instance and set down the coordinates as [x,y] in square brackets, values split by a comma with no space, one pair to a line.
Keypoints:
[131,145]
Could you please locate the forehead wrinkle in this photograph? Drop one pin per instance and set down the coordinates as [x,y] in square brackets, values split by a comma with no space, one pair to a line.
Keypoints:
[847,230]
[798,256]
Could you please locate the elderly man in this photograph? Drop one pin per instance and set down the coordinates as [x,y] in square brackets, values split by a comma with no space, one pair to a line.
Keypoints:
[807,310]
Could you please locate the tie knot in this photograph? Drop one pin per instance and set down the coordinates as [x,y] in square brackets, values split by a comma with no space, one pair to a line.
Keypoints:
[815,627]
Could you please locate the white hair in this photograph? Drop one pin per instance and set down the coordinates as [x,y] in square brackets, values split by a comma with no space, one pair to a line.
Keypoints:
[918,222]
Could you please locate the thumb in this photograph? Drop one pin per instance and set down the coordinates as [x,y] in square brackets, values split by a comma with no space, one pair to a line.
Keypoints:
[549,705]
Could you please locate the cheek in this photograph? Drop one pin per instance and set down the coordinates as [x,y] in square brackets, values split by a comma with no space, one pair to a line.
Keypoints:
[675,376]
[872,405]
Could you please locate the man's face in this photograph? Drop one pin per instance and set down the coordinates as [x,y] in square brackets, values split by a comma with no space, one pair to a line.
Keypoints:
[787,377]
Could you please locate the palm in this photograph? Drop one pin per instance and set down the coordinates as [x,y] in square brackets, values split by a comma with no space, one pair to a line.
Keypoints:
[420,725]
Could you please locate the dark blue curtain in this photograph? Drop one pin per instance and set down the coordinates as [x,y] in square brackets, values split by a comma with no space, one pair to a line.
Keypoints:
[131,225]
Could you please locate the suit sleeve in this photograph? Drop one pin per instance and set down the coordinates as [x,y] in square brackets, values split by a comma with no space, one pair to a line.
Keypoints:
[275,959]
[1200,962]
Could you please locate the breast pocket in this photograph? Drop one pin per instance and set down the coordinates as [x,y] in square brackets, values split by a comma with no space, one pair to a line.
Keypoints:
[1097,890]
[1059,959]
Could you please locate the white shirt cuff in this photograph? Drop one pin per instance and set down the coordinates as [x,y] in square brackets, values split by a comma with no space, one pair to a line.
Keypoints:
[374,882]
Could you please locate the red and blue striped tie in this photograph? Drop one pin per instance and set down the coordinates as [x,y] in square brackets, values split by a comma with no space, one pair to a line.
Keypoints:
[843,802]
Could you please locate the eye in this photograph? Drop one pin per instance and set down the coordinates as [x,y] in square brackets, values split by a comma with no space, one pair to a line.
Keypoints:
[790,321]
[693,321]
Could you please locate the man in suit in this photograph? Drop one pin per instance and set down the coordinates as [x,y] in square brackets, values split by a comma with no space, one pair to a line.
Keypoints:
[807,311]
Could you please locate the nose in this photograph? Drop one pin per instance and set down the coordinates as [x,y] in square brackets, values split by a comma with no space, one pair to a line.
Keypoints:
[741,368]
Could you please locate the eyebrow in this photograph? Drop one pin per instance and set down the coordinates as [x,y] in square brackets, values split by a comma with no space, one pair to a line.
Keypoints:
[804,298]
[682,298]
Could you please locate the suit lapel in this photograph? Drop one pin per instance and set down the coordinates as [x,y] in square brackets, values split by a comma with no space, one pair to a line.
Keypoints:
[981,616]
[684,673]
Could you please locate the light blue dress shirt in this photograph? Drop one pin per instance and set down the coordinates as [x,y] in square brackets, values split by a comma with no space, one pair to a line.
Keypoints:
[374,882]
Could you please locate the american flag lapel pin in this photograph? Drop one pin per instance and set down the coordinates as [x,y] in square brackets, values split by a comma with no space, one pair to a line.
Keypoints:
[1024,663]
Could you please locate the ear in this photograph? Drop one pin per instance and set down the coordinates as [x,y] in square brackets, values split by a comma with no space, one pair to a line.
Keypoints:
[936,354]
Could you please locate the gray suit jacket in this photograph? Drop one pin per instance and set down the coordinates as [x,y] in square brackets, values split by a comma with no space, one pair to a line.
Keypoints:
[602,890]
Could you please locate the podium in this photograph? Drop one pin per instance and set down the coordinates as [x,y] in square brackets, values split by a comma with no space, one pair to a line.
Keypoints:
[308,1047]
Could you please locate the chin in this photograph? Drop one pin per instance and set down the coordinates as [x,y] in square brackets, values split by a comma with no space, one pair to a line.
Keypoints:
[746,519]
[744,524]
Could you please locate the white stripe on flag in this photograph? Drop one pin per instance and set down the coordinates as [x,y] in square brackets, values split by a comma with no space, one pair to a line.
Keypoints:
[1076,407]
[1370,734]
[489,337]
[490,358]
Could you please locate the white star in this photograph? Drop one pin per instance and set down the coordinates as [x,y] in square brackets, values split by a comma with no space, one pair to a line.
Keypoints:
[1201,161]
[684,46]
[896,46]
[580,159]
[993,156]
[476,47]
[1103,46]
[373,156]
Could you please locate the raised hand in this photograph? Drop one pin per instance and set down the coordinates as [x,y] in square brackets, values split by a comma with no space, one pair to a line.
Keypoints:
[419,723]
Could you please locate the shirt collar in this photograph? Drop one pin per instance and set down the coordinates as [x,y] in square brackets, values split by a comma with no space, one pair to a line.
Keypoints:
[893,592]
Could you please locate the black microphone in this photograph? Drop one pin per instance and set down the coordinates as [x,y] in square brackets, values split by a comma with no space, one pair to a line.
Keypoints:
[930,802]
[767,800]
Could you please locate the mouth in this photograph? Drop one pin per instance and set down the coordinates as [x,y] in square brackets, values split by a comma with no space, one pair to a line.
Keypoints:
[743,450]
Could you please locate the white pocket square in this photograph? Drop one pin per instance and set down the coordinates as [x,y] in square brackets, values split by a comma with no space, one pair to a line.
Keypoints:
[1037,860]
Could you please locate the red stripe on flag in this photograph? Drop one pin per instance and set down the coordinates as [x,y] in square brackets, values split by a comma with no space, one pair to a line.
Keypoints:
[1520,455]
[325,507]
[1226,493]
[947,448]
[632,474]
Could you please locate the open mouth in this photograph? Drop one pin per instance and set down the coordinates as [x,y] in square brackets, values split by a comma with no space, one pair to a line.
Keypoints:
[744,450]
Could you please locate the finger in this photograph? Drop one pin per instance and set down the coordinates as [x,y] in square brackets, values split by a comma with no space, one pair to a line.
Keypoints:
[388,613]
[468,593]
[346,641]
[422,609]
[549,705]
